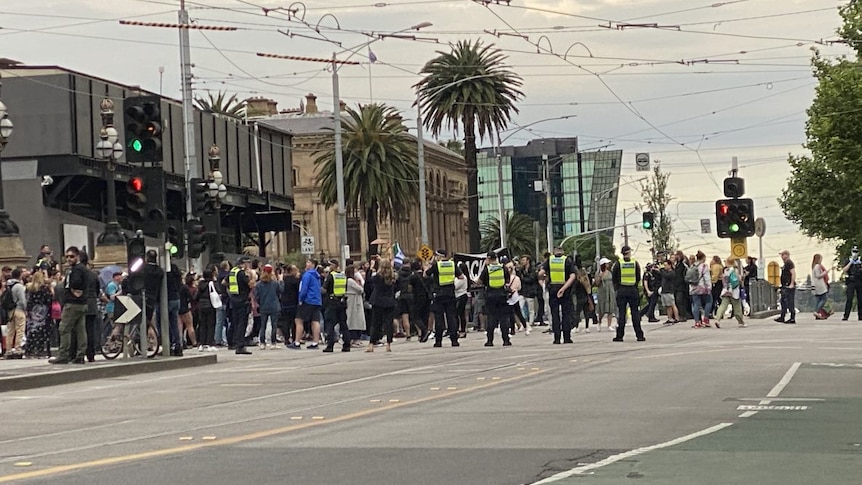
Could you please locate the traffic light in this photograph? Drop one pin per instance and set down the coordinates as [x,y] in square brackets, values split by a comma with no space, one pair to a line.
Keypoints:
[136,201]
[154,191]
[734,218]
[136,253]
[175,243]
[199,196]
[734,187]
[196,233]
[143,129]
[648,220]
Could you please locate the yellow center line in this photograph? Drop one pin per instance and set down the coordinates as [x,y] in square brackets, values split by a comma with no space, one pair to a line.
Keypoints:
[55,470]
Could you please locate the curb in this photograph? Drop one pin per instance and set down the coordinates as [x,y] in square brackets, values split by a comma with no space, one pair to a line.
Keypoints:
[90,372]
[764,314]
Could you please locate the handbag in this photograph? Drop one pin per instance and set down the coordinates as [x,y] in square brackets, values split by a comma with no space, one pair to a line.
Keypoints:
[215,298]
[56,310]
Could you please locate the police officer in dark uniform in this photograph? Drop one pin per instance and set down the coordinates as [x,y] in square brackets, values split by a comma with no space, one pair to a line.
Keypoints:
[560,273]
[626,276]
[239,287]
[443,273]
[335,311]
[853,282]
[495,278]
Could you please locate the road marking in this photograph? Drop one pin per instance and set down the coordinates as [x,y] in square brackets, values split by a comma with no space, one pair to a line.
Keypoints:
[833,364]
[435,388]
[798,399]
[56,470]
[775,390]
[317,418]
[23,463]
[748,414]
[749,407]
[580,470]
[296,418]
[398,400]
[186,438]
[208,438]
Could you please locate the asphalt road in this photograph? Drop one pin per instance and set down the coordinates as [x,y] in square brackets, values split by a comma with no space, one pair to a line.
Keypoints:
[765,404]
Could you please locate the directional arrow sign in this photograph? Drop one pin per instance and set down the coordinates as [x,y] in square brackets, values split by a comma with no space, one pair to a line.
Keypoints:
[125,309]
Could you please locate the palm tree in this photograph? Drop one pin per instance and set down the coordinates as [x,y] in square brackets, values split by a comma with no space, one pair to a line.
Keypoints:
[379,156]
[469,87]
[221,104]
[520,236]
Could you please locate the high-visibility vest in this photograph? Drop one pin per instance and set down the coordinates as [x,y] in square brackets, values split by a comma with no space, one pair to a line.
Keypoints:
[496,276]
[232,281]
[445,273]
[558,270]
[627,272]
[339,284]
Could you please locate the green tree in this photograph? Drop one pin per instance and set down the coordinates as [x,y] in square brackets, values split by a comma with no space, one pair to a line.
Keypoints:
[823,190]
[656,200]
[469,87]
[520,237]
[453,145]
[222,104]
[585,246]
[379,156]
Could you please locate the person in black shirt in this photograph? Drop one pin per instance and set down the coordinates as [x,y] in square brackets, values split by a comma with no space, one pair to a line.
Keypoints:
[853,283]
[335,308]
[421,307]
[788,288]
[651,283]
[239,286]
[560,273]
[749,273]
[289,302]
[443,273]
[175,280]
[91,323]
[495,278]
[206,312]
[668,290]
[74,312]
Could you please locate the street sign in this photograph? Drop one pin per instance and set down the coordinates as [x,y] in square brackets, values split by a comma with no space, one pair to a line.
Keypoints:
[425,253]
[739,247]
[307,245]
[705,226]
[126,310]
[759,227]
[642,162]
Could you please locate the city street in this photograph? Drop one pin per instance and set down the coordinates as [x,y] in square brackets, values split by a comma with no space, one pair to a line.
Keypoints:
[766,404]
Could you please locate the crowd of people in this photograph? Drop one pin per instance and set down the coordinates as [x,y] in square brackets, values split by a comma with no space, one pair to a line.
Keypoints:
[369,304]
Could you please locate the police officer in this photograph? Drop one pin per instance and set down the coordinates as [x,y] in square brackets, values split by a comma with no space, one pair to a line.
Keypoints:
[335,313]
[495,278]
[239,285]
[626,276]
[443,273]
[561,274]
[853,282]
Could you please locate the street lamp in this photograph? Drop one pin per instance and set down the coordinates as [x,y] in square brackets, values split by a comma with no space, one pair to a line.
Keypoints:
[216,189]
[109,149]
[7,226]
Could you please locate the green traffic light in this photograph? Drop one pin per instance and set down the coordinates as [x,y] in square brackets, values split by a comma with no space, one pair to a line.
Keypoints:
[137,145]
[647,225]
[174,249]
[733,227]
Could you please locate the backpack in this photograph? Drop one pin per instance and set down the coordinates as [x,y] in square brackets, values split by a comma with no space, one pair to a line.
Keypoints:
[733,280]
[692,275]
[7,301]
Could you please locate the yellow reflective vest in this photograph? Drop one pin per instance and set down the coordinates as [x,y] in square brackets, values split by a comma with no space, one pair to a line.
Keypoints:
[445,273]
[232,281]
[558,270]
[496,276]
[628,276]
[339,284]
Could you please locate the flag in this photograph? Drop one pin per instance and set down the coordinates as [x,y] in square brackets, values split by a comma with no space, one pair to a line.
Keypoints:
[398,259]
[371,56]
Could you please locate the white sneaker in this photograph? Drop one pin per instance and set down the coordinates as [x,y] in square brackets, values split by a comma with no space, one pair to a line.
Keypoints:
[587,330]
[578,330]
[527,331]
[599,329]
[200,348]
[262,346]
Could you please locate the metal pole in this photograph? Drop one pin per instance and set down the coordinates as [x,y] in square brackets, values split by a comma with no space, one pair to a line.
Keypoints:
[625,230]
[163,304]
[546,184]
[763,263]
[191,166]
[536,235]
[339,162]
[595,226]
[501,211]
[142,334]
[420,162]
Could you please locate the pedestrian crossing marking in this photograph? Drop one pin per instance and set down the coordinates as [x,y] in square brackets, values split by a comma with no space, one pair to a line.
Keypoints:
[23,463]
[480,378]
[186,438]
[296,418]
[435,388]
[495,378]
[749,407]
[451,388]
[208,438]
[395,400]
[317,418]
[376,400]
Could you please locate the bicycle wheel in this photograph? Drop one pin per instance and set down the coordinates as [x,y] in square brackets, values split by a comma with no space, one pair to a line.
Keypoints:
[113,347]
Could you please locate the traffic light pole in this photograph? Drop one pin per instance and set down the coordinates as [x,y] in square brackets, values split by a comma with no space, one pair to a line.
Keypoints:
[191,166]
[164,325]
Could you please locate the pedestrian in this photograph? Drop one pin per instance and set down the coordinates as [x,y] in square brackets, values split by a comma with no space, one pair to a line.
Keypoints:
[443,273]
[383,303]
[820,287]
[853,283]
[730,287]
[266,295]
[788,289]
[207,295]
[716,271]
[239,285]
[461,286]
[668,291]
[175,281]
[419,311]
[583,300]
[529,287]
[289,303]
[308,310]
[495,279]
[607,304]
[188,295]
[39,299]
[74,312]
[91,322]
[561,273]
[516,317]
[335,298]
[651,284]
[626,276]
[355,308]
[15,309]
[749,273]
[222,336]
[700,291]
[681,291]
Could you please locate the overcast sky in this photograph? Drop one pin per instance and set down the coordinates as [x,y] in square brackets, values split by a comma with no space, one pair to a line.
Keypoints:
[715,80]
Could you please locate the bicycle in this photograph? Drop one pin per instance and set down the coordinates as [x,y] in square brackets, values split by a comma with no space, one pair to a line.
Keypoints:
[115,342]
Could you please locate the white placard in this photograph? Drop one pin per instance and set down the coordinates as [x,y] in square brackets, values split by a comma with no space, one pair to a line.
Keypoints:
[307,245]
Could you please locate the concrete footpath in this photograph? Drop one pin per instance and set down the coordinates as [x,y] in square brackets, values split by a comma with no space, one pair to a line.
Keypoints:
[16,375]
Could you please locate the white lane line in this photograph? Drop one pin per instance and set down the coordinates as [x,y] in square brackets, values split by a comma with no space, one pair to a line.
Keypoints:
[748,414]
[580,470]
[788,376]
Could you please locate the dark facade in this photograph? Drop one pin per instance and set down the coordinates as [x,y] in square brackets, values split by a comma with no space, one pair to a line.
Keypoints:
[57,121]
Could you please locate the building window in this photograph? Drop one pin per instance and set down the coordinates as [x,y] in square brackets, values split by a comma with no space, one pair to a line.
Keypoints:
[295,176]
[354,236]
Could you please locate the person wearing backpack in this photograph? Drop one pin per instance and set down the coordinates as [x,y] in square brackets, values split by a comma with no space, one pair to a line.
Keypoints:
[14,303]
[700,289]
[730,282]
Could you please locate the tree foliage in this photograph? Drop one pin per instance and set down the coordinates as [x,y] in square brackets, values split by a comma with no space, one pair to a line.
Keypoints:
[520,237]
[222,104]
[585,247]
[824,188]
[656,200]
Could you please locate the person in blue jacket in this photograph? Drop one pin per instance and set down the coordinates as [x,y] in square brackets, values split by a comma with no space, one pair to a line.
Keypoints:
[308,312]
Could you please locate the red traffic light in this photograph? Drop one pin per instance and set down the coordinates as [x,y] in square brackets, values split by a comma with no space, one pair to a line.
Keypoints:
[135,185]
[723,209]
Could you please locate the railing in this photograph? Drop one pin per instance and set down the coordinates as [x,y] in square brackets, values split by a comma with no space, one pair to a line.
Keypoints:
[763,296]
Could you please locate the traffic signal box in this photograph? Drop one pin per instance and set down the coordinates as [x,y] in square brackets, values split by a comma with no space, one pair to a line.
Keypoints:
[200,197]
[145,200]
[648,220]
[136,253]
[734,218]
[196,234]
[143,129]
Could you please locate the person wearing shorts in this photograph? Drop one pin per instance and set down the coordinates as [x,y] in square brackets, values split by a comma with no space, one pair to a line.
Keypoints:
[308,312]
[668,301]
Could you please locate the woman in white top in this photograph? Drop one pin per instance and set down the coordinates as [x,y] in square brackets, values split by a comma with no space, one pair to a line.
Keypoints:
[820,283]
[461,285]
[731,282]
[514,302]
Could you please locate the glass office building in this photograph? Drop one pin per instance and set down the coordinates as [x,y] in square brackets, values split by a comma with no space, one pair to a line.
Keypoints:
[583,185]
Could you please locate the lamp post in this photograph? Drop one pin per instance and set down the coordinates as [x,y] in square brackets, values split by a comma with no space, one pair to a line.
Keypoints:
[7,227]
[110,150]
[216,190]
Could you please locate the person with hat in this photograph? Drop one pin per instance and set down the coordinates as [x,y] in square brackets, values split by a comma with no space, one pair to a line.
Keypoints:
[335,308]
[239,286]
[626,277]
[561,273]
[443,273]
[495,278]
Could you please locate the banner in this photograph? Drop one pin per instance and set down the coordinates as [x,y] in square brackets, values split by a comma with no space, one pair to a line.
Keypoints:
[475,263]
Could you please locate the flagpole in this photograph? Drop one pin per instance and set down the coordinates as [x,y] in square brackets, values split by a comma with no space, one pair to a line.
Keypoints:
[370,92]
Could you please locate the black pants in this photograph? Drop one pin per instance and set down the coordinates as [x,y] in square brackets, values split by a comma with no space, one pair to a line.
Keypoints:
[94,336]
[461,311]
[853,289]
[419,312]
[286,320]
[239,320]
[206,326]
[649,309]
[381,323]
[788,302]
[540,307]
[498,313]
[683,304]
[445,318]
[517,314]
[561,325]
[336,314]
[627,296]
